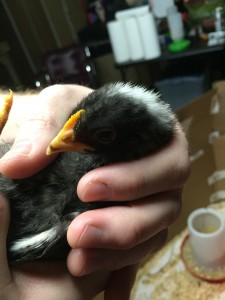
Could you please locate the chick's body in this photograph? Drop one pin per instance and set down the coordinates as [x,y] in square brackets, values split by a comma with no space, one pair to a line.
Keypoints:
[119,122]
[43,205]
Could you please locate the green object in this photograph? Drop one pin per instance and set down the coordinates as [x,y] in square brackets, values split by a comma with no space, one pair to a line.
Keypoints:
[179,45]
[204,9]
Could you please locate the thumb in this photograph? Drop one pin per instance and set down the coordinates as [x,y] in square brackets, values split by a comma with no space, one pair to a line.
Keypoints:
[42,118]
[5,275]
[28,153]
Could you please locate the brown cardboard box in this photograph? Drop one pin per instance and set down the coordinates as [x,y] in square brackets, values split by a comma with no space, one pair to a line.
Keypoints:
[204,123]
[218,107]
[205,131]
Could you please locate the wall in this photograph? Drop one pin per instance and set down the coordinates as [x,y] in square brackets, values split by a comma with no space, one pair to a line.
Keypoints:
[34,27]
[42,25]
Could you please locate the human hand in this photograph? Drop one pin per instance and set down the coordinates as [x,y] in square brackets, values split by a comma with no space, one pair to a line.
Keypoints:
[42,280]
[115,237]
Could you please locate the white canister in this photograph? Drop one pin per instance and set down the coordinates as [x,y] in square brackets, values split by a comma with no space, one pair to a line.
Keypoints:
[207,237]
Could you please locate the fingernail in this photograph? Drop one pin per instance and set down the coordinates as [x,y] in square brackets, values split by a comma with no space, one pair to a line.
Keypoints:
[95,191]
[20,148]
[91,236]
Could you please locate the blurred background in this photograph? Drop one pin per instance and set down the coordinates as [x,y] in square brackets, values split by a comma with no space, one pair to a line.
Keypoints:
[44,42]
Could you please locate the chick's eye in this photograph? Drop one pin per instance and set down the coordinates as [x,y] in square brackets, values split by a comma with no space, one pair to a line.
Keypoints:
[105,136]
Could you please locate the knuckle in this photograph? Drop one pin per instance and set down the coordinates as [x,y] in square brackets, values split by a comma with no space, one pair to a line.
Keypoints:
[52,89]
[184,171]
[128,241]
[177,199]
[49,121]
[40,124]
[174,208]
[132,237]
[136,236]
[139,235]
[183,162]
[180,171]
[130,189]
[120,259]
[135,188]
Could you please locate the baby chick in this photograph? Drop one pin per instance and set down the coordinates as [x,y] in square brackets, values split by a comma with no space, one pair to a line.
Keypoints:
[117,122]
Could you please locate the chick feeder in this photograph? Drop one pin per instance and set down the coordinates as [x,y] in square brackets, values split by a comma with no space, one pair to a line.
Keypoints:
[203,249]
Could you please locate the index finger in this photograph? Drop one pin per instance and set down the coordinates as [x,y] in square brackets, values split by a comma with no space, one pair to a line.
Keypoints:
[163,170]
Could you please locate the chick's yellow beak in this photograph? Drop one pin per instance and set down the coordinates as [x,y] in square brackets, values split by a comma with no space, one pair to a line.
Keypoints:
[66,139]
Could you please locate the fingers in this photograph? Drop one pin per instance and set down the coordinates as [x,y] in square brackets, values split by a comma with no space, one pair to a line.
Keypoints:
[41,123]
[81,262]
[123,227]
[119,236]
[163,170]
[5,275]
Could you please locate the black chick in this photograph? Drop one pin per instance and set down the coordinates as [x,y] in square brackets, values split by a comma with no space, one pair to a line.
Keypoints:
[117,122]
